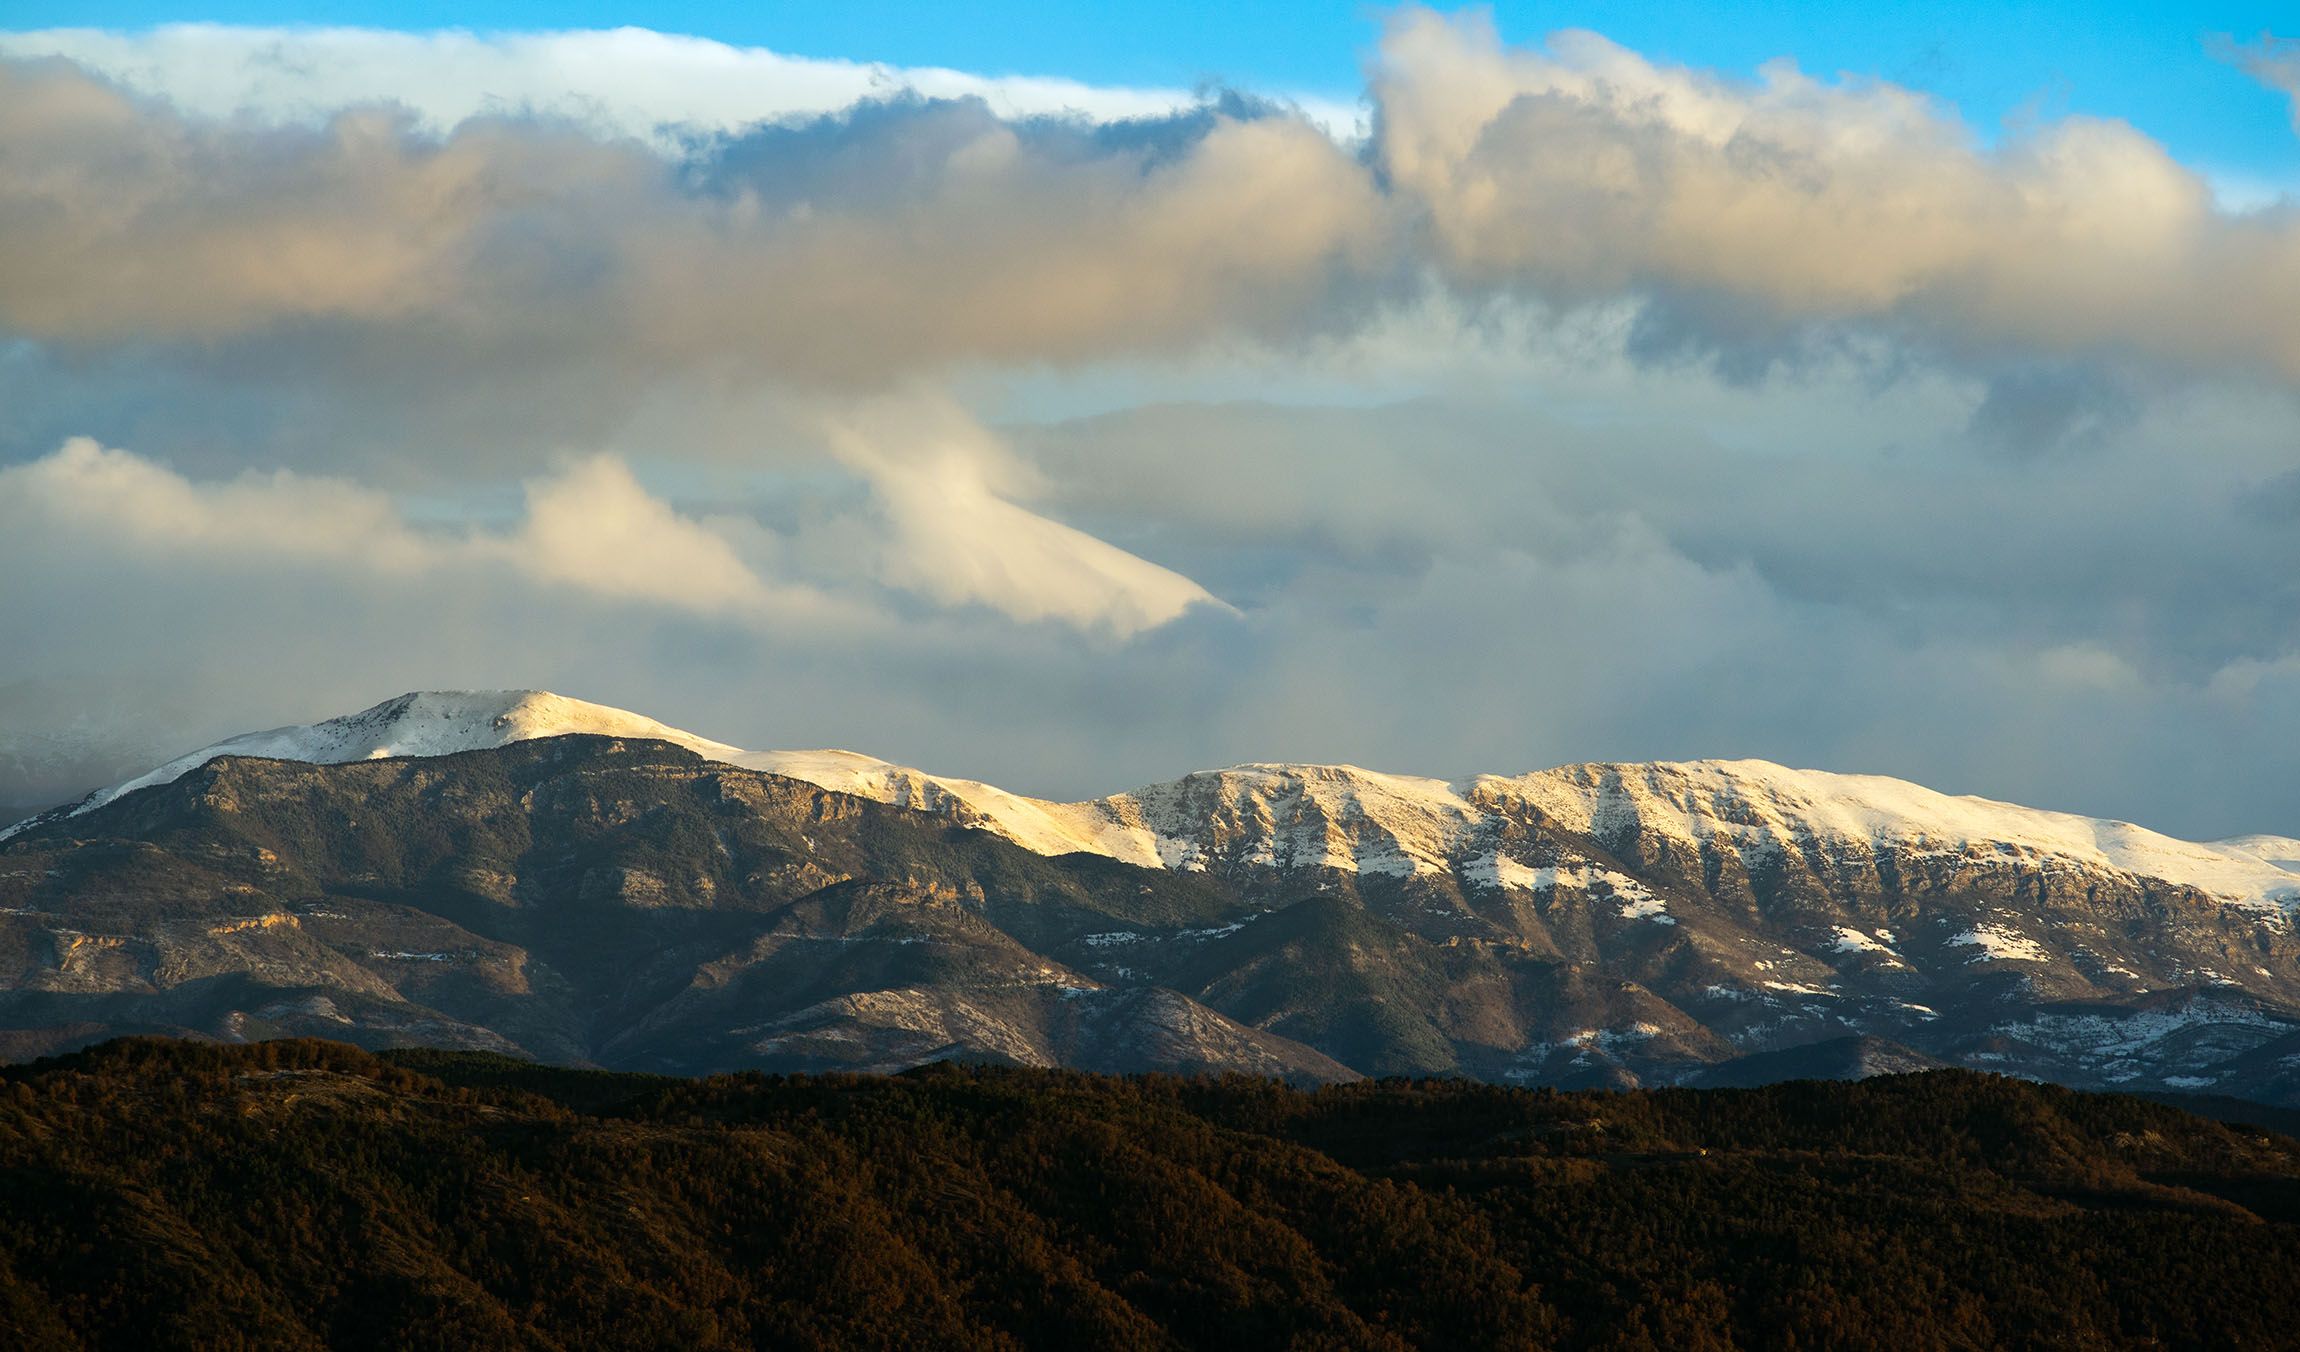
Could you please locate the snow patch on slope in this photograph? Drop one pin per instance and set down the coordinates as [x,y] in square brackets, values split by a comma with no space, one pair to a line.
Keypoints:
[1850,940]
[1999,944]
[1643,905]
[1499,870]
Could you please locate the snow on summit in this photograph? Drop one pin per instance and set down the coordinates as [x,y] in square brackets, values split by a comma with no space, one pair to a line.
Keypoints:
[1347,819]
[421,723]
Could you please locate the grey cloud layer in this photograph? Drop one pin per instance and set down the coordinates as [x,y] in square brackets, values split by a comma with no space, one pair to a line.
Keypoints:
[1462,584]
[1430,588]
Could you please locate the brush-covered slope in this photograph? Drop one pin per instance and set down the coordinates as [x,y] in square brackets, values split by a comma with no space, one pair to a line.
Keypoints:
[306,1194]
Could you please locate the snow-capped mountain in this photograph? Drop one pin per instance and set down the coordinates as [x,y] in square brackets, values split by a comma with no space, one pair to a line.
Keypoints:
[1766,810]
[1590,922]
[419,723]
[1351,820]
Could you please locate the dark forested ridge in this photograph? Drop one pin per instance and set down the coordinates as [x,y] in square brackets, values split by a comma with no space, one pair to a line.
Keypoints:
[297,1193]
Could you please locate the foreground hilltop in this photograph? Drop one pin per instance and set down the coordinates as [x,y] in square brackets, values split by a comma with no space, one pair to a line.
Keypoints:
[519,871]
[305,1194]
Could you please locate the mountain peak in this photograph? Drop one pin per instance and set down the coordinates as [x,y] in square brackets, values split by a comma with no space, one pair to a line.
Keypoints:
[418,723]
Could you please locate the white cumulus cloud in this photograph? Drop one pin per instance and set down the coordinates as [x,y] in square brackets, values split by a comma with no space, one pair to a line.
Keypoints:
[593,528]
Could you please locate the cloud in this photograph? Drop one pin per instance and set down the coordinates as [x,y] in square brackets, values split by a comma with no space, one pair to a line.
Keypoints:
[943,485]
[128,224]
[1421,459]
[844,250]
[1608,562]
[113,500]
[932,234]
[1431,587]
[593,528]
[1582,171]
[939,525]
[2045,407]
[168,610]
[596,528]
[627,82]
[922,233]
[2274,62]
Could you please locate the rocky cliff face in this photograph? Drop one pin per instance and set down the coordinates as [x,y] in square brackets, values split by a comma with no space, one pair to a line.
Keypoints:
[677,904]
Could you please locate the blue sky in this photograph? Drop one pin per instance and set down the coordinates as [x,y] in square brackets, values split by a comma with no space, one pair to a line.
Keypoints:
[2151,64]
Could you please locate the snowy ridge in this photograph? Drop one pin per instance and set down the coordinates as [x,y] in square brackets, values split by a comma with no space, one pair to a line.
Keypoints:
[1301,816]
[1352,820]
[422,723]
[1035,824]
[1273,816]
[2280,851]
[1758,806]
[1360,821]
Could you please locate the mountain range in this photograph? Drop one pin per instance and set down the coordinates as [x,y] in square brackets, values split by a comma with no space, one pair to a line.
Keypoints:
[524,873]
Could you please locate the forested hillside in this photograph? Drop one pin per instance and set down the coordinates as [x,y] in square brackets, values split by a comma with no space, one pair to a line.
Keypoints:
[171,1194]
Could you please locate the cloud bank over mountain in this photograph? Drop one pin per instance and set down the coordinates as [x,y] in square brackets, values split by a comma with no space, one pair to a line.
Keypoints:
[902,221]
[1555,403]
